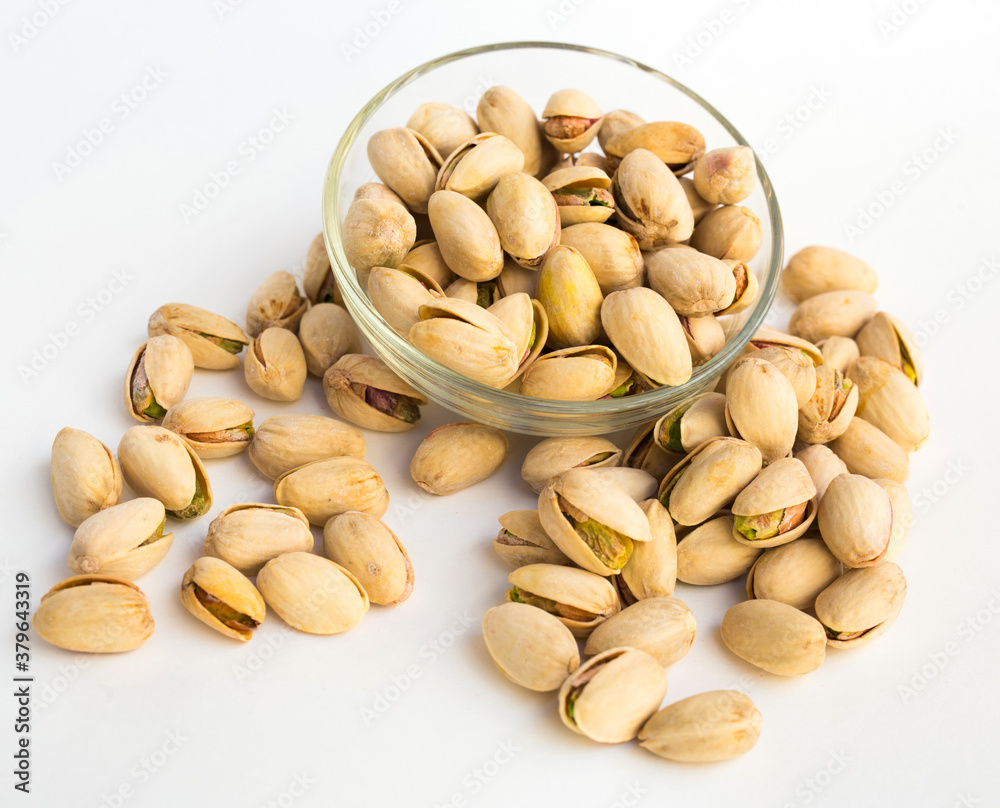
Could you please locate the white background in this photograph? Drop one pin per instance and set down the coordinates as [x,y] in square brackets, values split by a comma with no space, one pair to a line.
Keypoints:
[908,720]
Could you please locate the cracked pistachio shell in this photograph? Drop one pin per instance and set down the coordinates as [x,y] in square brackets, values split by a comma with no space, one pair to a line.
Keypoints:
[775,637]
[468,339]
[611,696]
[690,424]
[705,337]
[222,598]
[839,352]
[456,456]
[503,111]
[699,207]
[275,366]
[704,728]
[312,594]
[325,488]
[855,520]
[526,218]
[214,341]
[761,407]
[159,375]
[709,554]
[902,517]
[585,373]
[124,540]
[285,442]
[693,284]
[747,287]
[828,412]
[646,331]
[566,185]
[362,390]
[638,484]
[377,233]
[407,163]
[94,614]
[522,540]
[612,254]
[861,604]
[823,465]
[568,290]
[888,400]
[645,453]
[552,456]
[318,282]
[732,232]
[584,159]
[159,464]
[662,626]
[86,477]
[888,338]
[794,573]
[468,240]
[475,167]
[398,295]
[617,122]
[427,262]
[585,493]
[514,278]
[675,144]
[326,333]
[528,324]
[482,293]
[725,176]
[529,646]
[815,270]
[276,303]
[782,484]
[444,126]
[248,535]
[708,478]
[867,450]
[213,427]
[580,600]
[794,366]
[650,203]
[572,120]
[766,337]
[651,570]
[832,314]
[366,547]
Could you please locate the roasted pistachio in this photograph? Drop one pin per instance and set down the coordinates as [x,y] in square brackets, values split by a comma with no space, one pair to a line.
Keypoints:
[325,488]
[579,599]
[552,456]
[503,111]
[867,450]
[855,520]
[276,303]
[777,507]
[529,646]
[586,373]
[612,254]
[732,232]
[650,203]
[377,233]
[794,573]
[815,270]
[690,424]
[646,331]
[775,637]
[832,314]
[726,176]
[693,284]
[717,725]
[823,465]
[571,297]
[709,554]
[861,604]
[285,442]
[318,282]
[522,540]
[709,478]
[124,540]
[571,120]
[406,162]
[157,463]
[675,144]
[888,338]
[362,390]
[526,218]
[213,427]
[222,598]
[158,377]
[474,168]
[444,126]
[456,456]
[581,194]
[214,341]
[366,547]
[663,627]
[889,400]
[761,407]
[468,239]
[839,352]
[85,474]
[249,535]
[326,333]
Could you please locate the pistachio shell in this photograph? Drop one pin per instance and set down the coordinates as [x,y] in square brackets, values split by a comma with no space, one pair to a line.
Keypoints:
[861,604]
[747,287]
[794,573]
[276,303]
[823,465]
[222,598]
[581,193]
[732,232]
[649,201]
[572,121]
[761,407]
[326,333]
[377,233]
[318,282]
[890,339]
[468,240]
[407,163]
[444,126]
[86,477]
[832,314]
[693,284]
[887,399]
[705,337]
[474,168]
[124,540]
[202,331]
[902,517]
[867,450]
[707,727]
[638,484]
[529,646]
[699,207]
[285,442]
[552,456]
[157,463]
[158,377]
[367,548]
[775,637]
[312,593]
[644,453]
[828,412]
[571,296]
[213,427]
[709,554]
[585,373]
[503,111]
[663,627]
[248,535]
[97,614]
[425,257]
[612,254]
[839,352]
[690,424]
[325,488]
[362,390]
[726,176]
[617,122]
[767,337]
[275,366]
[675,144]
[397,296]
[514,278]
[456,456]
[855,519]
[815,270]
[375,190]
[527,322]
[645,329]
[780,485]
[794,366]
[580,600]
[651,570]
[522,540]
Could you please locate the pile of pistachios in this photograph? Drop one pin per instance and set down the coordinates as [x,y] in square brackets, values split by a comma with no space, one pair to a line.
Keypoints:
[491,240]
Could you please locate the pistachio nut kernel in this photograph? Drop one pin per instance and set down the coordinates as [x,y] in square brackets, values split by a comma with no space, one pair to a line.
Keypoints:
[777,507]
[580,600]
[325,488]
[85,474]
[214,341]
[222,598]
[888,338]
[861,604]
[708,727]
[774,637]
[522,540]
[159,464]
[709,555]
[529,646]
[125,540]
[213,427]
[158,377]
[285,442]
[248,535]
[663,627]
[362,390]
[318,282]
[571,120]
[747,287]
[456,456]
[552,456]
[366,547]
[815,270]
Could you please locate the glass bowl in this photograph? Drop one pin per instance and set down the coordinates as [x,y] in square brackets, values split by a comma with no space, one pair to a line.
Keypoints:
[615,82]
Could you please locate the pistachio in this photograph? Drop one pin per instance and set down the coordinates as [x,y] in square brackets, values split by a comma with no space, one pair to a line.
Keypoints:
[675,144]
[828,412]
[731,232]
[902,517]
[726,176]
[888,338]
[861,604]
[794,573]
[276,366]
[663,627]
[747,287]
[522,540]
[376,190]
[528,325]
[503,111]
[398,294]
[426,259]
[775,637]
[222,598]
[466,236]
[312,593]
[888,400]
[650,203]
[645,453]
[707,727]
[611,696]
[248,535]
[571,297]
[514,278]
[794,366]
[855,520]
[482,293]
[815,270]
[571,120]
[276,303]
[157,463]
[96,614]
[362,390]
[581,194]
[690,424]
[124,540]
[761,407]
[777,507]
[318,282]
[529,646]
[213,427]
[839,352]
[767,337]
[214,341]
[867,450]
[326,333]
[638,484]
[444,126]
[832,314]
[377,233]
[325,488]
[693,284]
[456,456]
[86,477]
[552,456]
[585,373]
[709,554]
[645,329]
[285,442]
[407,163]
[580,600]
[158,377]
[699,207]
[363,545]
[584,160]
[705,337]
[474,168]
[823,465]
[526,218]
[617,122]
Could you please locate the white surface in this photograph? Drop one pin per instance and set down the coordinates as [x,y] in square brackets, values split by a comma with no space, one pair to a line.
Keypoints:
[194,717]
